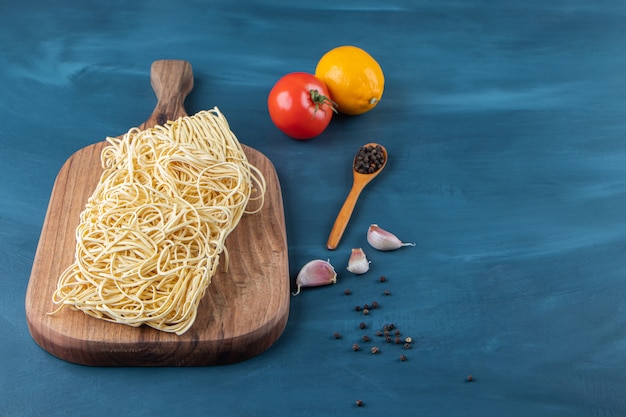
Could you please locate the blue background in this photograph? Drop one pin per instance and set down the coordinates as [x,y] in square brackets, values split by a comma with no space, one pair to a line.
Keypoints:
[505,124]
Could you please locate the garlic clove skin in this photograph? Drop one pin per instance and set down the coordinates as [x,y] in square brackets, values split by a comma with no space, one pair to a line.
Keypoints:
[315,273]
[383,240]
[358,263]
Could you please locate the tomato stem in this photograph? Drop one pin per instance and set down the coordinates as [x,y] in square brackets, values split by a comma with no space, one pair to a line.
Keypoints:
[319,100]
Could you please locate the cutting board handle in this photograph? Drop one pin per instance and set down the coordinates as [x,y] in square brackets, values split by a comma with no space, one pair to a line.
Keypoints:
[172,81]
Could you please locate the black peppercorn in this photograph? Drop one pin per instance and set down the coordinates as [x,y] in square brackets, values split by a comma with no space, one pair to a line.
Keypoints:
[356,347]
[374,305]
[336,335]
[362,325]
[366,338]
[347,291]
[382,278]
[369,159]
[403,358]
[374,350]
[359,403]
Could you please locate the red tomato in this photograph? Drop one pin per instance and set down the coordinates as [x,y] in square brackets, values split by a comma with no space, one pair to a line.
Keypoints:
[299,105]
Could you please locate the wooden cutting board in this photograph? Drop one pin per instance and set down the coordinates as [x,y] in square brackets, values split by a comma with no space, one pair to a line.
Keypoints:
[244,310]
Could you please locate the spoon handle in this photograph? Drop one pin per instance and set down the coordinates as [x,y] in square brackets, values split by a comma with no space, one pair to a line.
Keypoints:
[344,216]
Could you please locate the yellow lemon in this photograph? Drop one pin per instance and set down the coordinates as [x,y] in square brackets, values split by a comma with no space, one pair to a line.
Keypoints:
[354,79]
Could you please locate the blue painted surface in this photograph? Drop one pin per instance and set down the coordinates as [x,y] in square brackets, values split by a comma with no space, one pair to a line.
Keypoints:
[505,122]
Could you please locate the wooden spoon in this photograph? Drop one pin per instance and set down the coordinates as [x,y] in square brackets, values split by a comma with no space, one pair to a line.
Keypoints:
[358,184]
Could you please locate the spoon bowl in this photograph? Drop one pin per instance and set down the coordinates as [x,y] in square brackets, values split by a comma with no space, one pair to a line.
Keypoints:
[359,181]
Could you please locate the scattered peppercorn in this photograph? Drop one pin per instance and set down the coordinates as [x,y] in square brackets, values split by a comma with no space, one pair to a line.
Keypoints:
[369,159]
[469,378]
[359,403]
[389,331]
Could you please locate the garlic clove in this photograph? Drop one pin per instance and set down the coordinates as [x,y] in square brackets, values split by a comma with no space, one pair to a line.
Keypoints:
[383,240]
[358,263]
[315,273]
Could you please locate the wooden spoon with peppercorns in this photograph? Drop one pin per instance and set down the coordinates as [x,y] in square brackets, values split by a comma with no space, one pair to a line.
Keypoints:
[368,162]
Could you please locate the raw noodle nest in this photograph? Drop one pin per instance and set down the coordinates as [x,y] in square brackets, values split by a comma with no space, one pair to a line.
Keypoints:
[150,237]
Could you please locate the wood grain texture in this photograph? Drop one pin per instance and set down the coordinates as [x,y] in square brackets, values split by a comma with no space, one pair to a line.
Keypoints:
[245,308]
